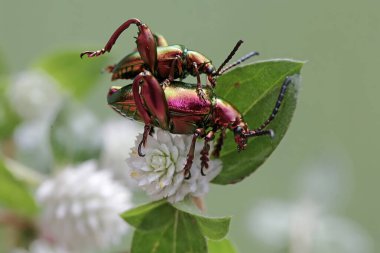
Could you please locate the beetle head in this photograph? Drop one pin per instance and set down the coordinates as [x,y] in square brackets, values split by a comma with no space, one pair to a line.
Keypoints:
[240,130]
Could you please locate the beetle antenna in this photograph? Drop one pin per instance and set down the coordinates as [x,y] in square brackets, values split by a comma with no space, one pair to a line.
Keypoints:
[260,133]
[284,86]
[241,60]
[238,44]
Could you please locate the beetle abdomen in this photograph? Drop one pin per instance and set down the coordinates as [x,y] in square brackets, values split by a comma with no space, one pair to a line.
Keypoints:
[130,66]
[187,111]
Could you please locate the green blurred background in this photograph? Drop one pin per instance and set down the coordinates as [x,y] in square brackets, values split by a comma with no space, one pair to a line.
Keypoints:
[335,125]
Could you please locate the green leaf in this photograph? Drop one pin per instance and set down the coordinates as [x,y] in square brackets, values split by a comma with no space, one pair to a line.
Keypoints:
[181,234]
[253,90]
[14,194]
[160,227]
[221,246]
[76,75]
[143,217]
[215,228]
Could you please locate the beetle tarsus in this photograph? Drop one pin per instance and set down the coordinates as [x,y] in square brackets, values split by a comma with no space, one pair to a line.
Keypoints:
[139,149]
[204,157]
[93,53]
[201,94]
[187,174]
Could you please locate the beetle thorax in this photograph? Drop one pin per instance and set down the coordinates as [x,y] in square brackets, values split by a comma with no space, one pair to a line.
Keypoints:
[203,63]
[225,115]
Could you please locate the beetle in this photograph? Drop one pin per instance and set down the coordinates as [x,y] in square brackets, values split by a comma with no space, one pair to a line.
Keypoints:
[185,113]
[166,63]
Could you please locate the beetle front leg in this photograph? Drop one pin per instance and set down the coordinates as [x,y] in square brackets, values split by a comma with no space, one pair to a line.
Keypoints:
[200,91]
[190,155]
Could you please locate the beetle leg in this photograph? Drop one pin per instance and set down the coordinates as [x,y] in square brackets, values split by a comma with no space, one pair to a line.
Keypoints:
[150,100]
[219,144]
[147,130]
[190,155]
[113,38]
[176,62]
[200,91]
[146,43]
[205,151]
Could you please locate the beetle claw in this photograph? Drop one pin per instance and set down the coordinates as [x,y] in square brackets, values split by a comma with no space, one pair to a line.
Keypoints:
[187,174]
[201,94]
[202,172]
[93,53]
[139,149]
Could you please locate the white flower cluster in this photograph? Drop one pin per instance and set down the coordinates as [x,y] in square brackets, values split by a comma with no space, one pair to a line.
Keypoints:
[81,207]
[160,172]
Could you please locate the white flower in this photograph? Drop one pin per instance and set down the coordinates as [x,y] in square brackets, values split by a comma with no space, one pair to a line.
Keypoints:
[118,138]
[81,207]
[34,94]
[160,172]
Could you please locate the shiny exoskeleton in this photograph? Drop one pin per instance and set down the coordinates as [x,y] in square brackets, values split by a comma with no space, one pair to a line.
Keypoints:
[166,63]
[184,113]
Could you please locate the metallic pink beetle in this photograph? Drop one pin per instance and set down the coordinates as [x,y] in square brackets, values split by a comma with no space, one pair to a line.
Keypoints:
[164,62]
[181,111]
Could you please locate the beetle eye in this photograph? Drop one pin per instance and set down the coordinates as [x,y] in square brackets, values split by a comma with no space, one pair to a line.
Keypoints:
[238,130]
